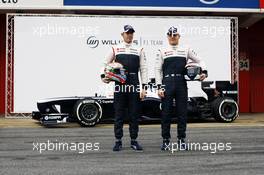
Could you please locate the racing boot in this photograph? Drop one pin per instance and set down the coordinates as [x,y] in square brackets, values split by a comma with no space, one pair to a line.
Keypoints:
[136,146]
[117,146]
[182,146]
[165,145]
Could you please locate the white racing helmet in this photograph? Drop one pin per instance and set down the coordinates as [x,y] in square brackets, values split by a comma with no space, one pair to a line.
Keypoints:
[193,71]
[114,72]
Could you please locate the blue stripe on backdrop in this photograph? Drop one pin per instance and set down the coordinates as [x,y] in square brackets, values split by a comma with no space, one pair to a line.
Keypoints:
[168,3]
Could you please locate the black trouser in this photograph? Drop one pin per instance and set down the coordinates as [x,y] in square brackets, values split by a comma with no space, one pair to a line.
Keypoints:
[175,88]
[126,102]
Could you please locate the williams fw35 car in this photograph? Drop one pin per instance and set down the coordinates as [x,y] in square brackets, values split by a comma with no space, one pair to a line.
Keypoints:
[219,103]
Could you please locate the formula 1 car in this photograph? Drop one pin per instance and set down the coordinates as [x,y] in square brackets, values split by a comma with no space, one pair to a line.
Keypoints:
[88,111]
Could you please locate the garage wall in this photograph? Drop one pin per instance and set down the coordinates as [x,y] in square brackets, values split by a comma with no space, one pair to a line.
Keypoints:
[252,82]
[256,46]
[244,74]
[2,62]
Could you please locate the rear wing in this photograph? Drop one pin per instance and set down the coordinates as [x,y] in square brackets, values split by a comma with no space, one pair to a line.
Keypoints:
[222,88]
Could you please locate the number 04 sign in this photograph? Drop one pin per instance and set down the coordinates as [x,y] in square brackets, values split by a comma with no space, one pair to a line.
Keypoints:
[244,65]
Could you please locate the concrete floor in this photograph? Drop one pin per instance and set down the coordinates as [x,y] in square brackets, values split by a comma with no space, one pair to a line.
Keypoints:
[245,136]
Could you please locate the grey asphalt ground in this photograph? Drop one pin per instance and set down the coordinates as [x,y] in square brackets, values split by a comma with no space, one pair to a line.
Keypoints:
[18,157]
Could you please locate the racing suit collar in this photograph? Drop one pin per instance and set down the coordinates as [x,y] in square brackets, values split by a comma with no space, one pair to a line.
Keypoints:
[174,47]
[127,44]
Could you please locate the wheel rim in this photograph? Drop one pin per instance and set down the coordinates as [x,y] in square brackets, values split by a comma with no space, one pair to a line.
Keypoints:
[88,111]
[229,110]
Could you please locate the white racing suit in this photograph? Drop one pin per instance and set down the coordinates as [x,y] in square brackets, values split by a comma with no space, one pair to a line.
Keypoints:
[126,96]
[169,72]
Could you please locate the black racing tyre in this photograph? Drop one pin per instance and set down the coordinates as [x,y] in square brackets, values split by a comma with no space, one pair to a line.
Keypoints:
[88,112]
[225,109]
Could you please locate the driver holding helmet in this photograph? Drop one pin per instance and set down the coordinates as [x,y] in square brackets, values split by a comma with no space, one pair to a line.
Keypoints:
[127,95]
[170,68]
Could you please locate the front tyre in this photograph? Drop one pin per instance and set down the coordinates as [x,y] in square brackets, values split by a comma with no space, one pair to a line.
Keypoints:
[225,109]
[88,112]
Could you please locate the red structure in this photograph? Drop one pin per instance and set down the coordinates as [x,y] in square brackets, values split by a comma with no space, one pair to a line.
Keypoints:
[2,62]
[261,3]
[252,81]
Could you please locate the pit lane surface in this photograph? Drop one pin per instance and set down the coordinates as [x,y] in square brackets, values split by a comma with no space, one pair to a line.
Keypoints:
[246,156]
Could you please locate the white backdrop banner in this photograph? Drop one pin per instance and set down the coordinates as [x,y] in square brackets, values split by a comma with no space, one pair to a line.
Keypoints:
[56,56]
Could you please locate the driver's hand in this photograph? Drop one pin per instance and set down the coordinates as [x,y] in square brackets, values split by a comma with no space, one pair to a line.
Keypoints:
[143,94]
[202,77]
[161,93]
